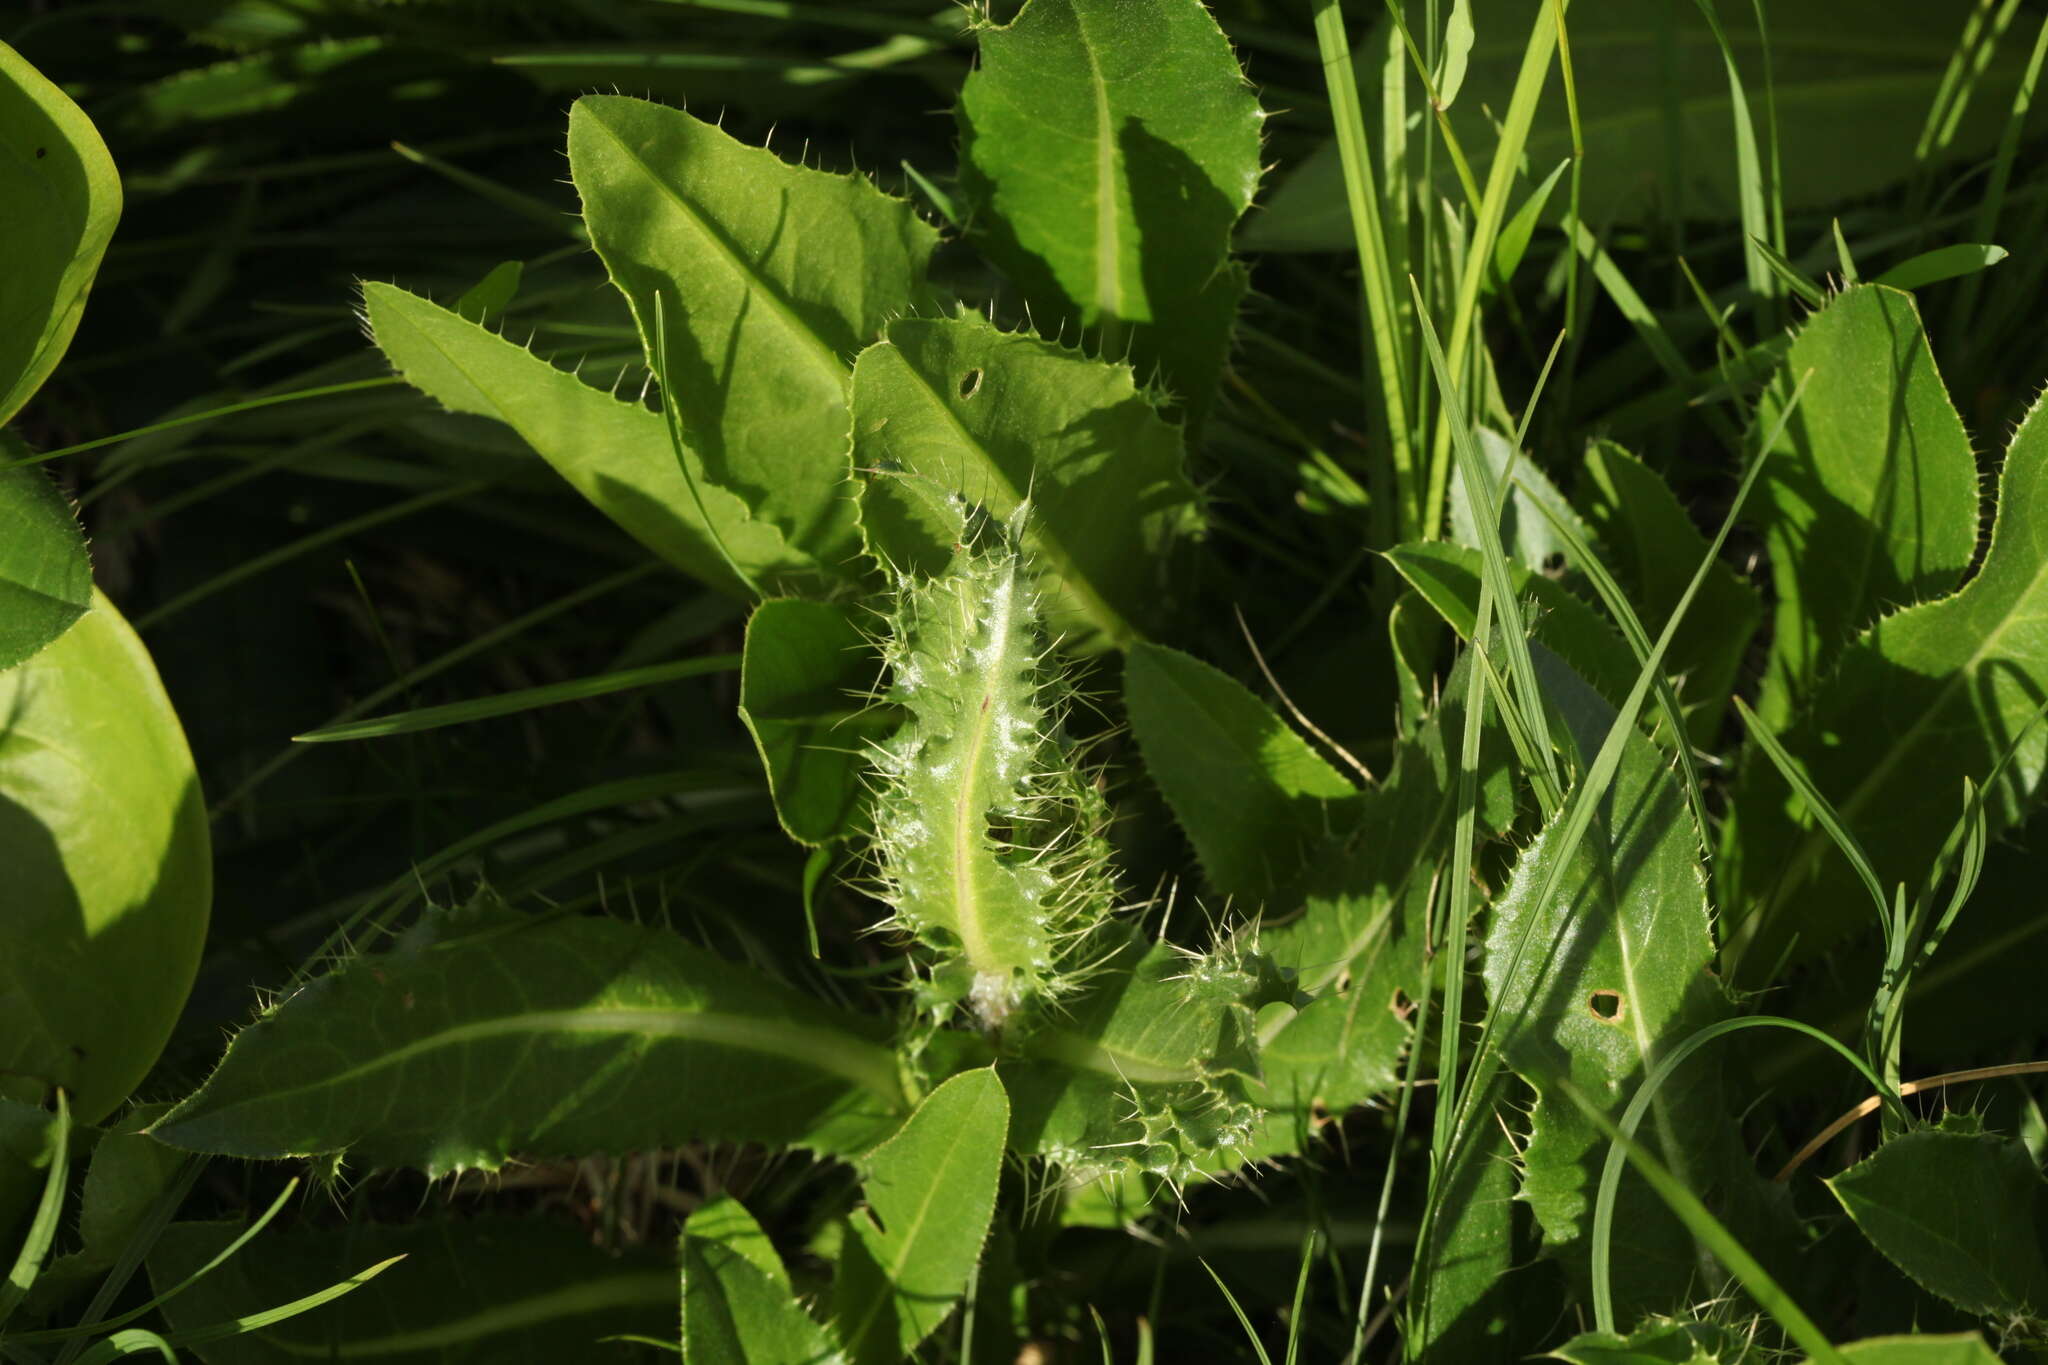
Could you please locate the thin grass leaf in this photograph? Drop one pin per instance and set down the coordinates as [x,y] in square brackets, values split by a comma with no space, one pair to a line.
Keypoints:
[1942,263]
[525,699]
[1822,810]
[1251,1334]
[211,414]
[42,1229]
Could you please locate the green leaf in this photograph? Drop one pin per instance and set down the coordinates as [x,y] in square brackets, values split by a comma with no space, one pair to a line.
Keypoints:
[1924,698]
[1525,532]
[615,454]
[1659,1342]
[1250,792]
[1962,1212]
[1849,114]
[1871,499]
[806,667]
[957,407]
[931,1191]
[772,277]
[486,1033]
[1653,547]
[490,296]
[1148,1068]
[1942,263]
[45,574]
[64,197]
[1590,988]
[499,1288]
[109,865]
[1447,577]
[1109,146]
[128,1174]
[738,1307]
[1466,1311]
[1961,1348]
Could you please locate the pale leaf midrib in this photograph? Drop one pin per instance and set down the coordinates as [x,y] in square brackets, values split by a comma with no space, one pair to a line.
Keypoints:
[815,1048]
[816,347]
[969,815]
[1109,293]
[1047,545]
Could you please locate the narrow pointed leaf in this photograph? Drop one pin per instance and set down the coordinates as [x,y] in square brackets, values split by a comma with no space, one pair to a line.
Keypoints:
[1525,531]
[486,1033]
[1871,501]
[495,1288]
[1250,792]
[772,277]
[930,1191]
[956,413]
[616,454]
[1110,146]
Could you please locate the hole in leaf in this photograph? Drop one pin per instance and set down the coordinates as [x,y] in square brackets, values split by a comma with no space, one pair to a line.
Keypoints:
[1609,1007]
[1553,563]
[42,152]
[970,383]
[1401,1005]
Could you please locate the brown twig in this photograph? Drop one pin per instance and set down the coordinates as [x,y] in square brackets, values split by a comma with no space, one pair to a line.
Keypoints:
[1871,1105]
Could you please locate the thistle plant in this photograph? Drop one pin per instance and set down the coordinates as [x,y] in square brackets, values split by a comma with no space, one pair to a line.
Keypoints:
[987,827]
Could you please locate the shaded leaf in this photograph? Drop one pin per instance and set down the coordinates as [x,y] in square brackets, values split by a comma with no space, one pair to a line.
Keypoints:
[806,668]
[616,454]
[1870,502]
[64,197]
[930,1192]
[772,276]
[1590,989]
[109,865]
[1924,698]
[1659,1343]
[1962,1348]
[492,1288]
[955,413]
[45,575]
[1250,792]
[1962,1212]
[1653,548]
[486,1033]
[738,1307]
[1109,146]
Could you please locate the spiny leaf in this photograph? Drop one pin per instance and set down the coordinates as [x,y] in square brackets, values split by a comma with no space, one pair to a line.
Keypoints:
[952,414]
[930,1192]
[1871,500]
[987,832]
[1525,532]
[737,1303]
[772,277]
[485,1033]
[1653,548]
[1960,1211]
[45,575]
[1109,146]
[1250,792]
[1614,971]
[616,454]
[1924,698]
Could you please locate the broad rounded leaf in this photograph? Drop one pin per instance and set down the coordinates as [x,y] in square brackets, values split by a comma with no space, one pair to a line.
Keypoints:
[806,666]
[63,197]
[108,862]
